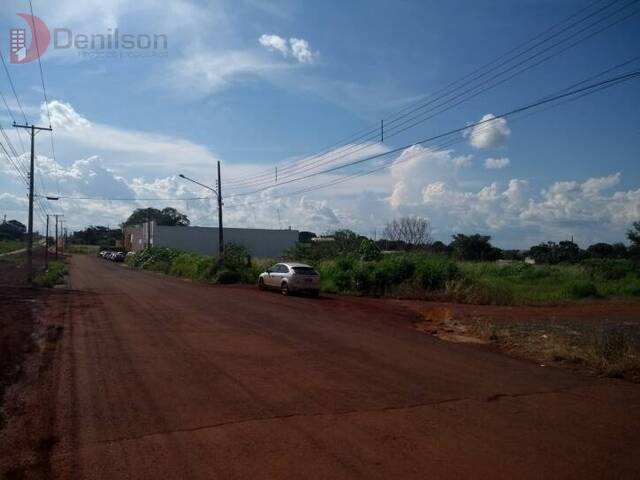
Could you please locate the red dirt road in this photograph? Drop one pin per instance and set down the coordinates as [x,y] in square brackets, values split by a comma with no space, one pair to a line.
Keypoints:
[155,377]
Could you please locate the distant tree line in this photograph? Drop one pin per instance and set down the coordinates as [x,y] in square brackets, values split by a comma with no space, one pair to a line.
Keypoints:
[414,233]
[97,235]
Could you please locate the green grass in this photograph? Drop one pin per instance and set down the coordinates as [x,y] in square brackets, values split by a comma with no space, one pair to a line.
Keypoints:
[421,275]
[79,249]
[52,276]
[538,284]
[199,267]
[11,245]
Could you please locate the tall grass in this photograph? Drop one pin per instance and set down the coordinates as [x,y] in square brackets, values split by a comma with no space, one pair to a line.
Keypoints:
[421,275]
[11,245]
[199,267]
[52,276]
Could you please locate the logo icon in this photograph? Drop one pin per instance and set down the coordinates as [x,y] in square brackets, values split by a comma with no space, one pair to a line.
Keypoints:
[40,38]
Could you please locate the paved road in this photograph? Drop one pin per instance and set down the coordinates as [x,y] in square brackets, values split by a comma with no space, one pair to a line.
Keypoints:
[155,377]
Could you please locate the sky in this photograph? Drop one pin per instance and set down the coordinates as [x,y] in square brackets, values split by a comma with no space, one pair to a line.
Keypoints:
[256,85]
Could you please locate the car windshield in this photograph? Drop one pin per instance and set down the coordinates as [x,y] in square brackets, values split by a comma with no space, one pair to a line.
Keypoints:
[304,271]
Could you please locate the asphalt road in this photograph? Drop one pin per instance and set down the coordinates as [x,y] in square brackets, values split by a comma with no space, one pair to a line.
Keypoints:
[156,377]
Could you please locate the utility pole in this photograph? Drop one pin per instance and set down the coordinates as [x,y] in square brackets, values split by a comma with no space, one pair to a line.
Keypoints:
[32,130]
[46,245]
[220,234]
[56,240]
[148,229]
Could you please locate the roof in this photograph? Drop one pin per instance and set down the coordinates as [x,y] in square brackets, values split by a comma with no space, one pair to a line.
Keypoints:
[295,264]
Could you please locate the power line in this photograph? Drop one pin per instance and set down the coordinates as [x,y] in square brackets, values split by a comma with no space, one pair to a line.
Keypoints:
[340,154]
[44,91]
[13,88]
[580,92]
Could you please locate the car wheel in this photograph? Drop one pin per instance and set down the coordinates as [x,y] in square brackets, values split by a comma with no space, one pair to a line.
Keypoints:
[284,288]
[261,284]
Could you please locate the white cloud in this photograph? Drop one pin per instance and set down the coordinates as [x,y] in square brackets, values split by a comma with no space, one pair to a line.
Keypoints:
[490,134]
[301,51]
[418,166]
[274,42]
[120,147]
[206,72]
[496,163]
[596,185]
[298,47]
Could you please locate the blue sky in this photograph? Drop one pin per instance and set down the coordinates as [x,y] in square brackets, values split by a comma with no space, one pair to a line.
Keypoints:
[255,84]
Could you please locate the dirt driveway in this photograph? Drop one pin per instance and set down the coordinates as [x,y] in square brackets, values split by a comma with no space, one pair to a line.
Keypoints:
[155,377]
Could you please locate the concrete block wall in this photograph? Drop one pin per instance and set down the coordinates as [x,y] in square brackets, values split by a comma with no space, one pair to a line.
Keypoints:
[259,242]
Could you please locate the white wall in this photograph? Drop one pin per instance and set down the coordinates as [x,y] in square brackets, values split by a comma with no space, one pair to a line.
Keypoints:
[260,242]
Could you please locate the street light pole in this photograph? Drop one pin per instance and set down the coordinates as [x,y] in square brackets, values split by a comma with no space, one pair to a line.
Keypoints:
[218,193]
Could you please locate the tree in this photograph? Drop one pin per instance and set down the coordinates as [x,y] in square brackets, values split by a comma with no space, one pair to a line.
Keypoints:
[97,235]
[633,234]
[305,237]
[474,247]
[12,230]
[601,250]
[414,231]
[552,252]
[369,250]
[167,216]
[569,252]
[543,252]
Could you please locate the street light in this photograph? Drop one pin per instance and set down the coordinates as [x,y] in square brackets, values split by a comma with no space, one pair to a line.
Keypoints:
[218,193]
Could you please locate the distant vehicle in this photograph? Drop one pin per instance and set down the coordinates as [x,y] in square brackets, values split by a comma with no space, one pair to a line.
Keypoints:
[118,256]
[291,277]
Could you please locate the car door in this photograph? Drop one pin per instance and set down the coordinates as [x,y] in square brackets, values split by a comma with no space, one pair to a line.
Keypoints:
[272,279]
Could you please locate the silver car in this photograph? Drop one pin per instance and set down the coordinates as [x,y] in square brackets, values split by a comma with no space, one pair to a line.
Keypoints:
[291,277]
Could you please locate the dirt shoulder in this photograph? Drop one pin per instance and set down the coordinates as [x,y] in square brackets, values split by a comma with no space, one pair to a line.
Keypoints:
[596,337]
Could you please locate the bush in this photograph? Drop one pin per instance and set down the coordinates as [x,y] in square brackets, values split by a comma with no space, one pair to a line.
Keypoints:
[226,275]
[369,250]
[582,289]
[433,273]
[608,269]
[191,265]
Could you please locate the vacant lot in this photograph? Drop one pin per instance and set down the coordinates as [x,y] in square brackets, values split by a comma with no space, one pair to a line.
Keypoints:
[11,245]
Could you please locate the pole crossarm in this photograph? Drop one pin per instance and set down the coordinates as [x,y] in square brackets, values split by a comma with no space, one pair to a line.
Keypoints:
[32,127]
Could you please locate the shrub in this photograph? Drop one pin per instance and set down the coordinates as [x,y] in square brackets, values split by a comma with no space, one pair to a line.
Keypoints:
[608,269]
[582,289]
[433,273]
[236,256]
[369,250]
[226,275]
[191,265]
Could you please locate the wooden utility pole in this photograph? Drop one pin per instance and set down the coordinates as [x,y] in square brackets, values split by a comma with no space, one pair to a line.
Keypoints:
[56,239]
[220,231]
[46,245]
[32,130]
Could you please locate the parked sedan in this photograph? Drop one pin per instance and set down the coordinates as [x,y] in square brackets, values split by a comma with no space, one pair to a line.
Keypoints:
[291,277]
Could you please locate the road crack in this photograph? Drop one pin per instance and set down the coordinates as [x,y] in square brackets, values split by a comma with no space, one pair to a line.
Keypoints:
[489,399]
